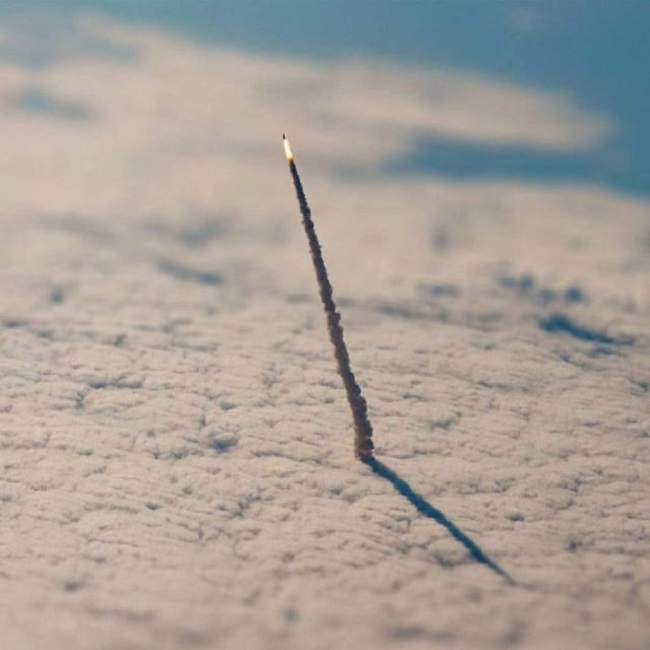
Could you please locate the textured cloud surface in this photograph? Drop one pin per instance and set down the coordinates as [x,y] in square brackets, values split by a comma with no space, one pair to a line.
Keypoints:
[175,447]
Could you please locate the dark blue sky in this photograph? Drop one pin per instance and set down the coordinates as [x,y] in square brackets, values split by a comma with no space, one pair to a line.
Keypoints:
[595,51]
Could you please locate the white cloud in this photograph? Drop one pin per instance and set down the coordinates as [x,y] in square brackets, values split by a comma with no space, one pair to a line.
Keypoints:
[176,101]
[175,451]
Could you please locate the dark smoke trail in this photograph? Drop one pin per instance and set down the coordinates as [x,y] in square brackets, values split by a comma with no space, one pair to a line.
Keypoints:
[363,445]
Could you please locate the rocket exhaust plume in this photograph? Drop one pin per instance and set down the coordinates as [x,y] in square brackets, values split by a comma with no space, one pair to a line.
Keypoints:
[363,445]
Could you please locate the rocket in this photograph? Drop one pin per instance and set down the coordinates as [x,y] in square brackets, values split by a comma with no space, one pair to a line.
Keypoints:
[287,149]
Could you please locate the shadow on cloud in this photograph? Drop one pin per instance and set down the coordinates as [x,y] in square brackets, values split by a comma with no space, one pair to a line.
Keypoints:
[466,160]
[37,101]
[558,323]
[426,509]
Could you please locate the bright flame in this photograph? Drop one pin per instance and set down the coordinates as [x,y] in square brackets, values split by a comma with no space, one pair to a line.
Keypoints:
[287,148]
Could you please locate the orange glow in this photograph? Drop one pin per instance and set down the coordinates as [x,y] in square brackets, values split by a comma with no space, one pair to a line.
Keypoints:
[287,148]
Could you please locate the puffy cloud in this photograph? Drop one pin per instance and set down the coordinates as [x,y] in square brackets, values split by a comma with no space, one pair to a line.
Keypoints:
[175,449]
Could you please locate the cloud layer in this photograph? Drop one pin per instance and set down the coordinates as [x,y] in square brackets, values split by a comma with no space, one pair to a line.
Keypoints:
[175,447]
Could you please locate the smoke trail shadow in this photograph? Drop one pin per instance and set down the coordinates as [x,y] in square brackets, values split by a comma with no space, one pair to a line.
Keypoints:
[426,509]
